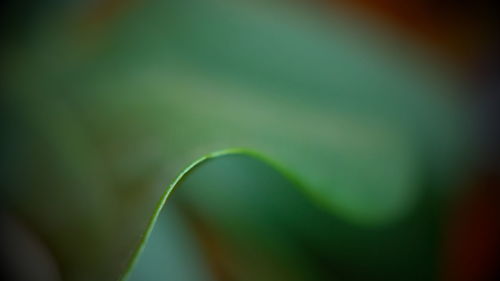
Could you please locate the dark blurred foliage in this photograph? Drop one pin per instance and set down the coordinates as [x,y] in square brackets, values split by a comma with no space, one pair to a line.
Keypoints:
[461,31]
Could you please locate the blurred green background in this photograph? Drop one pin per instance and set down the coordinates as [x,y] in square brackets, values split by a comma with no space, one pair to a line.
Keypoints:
[350,144]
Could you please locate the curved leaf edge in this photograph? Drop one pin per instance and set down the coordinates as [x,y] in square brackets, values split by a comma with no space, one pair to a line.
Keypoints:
[136,253]
[277,167]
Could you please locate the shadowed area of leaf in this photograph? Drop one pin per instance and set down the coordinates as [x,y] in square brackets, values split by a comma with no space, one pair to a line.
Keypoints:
[260,225]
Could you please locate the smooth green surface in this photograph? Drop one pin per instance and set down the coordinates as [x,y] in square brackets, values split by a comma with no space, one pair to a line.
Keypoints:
[268,230]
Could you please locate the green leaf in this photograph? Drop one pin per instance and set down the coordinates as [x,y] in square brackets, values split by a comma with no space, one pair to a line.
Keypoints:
[106,118]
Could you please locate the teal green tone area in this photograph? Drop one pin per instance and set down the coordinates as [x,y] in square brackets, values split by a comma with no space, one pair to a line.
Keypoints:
[171,253]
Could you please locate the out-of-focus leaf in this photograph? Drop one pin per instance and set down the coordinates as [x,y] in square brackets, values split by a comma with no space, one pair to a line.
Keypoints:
[104,114]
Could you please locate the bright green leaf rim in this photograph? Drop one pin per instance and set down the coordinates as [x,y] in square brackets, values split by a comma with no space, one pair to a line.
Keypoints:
[182,176]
